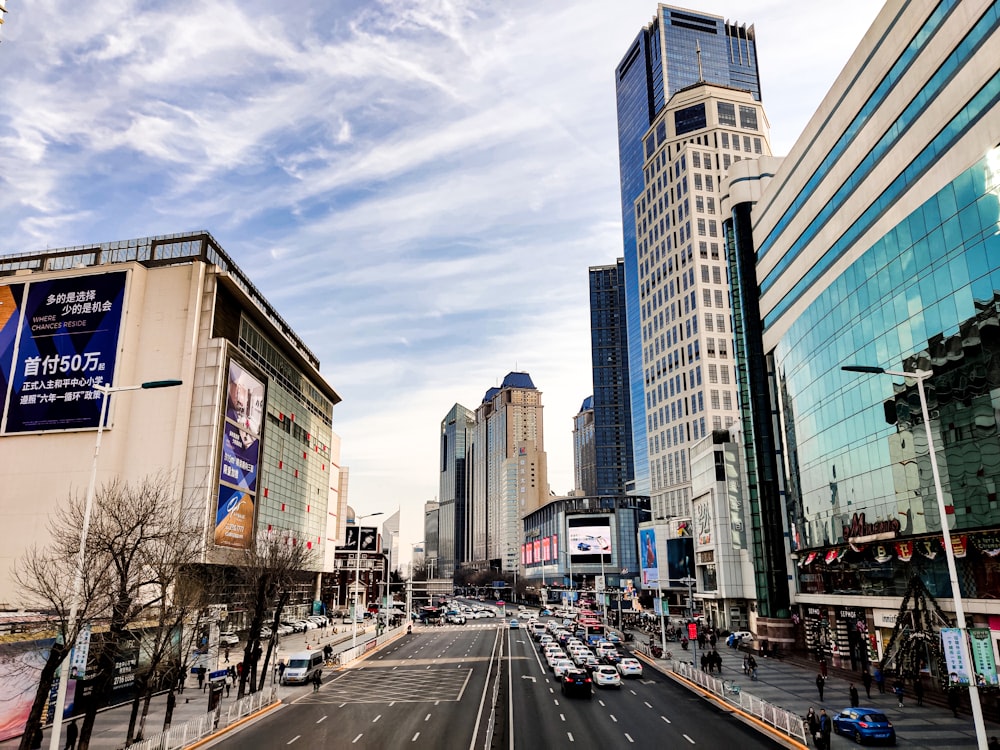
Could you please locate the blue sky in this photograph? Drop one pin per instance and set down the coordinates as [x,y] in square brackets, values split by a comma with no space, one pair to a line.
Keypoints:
[417,187]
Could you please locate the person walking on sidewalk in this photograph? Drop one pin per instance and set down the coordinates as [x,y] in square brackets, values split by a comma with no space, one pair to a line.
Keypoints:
[880,679]
[953,701]
[812,723]
[317,680]
[918,690]
[825,727]
[71,734]
[853,695]
[866,680]
[820,684]
[898,689]
[201,678]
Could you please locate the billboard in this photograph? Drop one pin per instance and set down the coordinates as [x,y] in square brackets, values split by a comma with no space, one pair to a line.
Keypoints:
[680,559]
[369,539]
[591,539]
[546,549]
[240,458]
[647,556]
[58,339]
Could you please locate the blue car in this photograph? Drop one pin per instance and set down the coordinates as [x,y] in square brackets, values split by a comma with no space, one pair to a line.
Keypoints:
[863,724]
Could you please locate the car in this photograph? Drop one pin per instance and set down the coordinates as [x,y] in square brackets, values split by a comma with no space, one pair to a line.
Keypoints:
[514,624]
[630,667]
[576,682]
[545,613]
[265,633]
[591,662]
[229,639]
[551,657]
[739,636]
[610,658]
[562,666]
[605,676]
[455,618]
[861,724]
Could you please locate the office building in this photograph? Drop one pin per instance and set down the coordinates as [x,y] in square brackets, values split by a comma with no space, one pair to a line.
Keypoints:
[677,49]
[431,523]
[610,368]
[875,243]
[585,449]
[390,540]
[247,438]
[453,514]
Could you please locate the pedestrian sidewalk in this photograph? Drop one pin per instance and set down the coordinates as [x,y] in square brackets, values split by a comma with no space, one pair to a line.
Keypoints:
[111,726]
[792,686]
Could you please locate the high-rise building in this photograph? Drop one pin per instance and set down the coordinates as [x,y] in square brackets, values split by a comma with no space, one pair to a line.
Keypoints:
[509,473]
[677,49]
[456,433]
[390,541]
[609,364]
[431,535]
[585,449]
[875,243]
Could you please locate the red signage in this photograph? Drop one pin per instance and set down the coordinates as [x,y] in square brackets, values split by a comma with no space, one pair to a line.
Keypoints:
[692,631]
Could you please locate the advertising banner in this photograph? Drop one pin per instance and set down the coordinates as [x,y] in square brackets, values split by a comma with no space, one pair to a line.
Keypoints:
[589,540]
[239,460]
[65,340]
[369,539]
[546,549]
[647,556]
[982,656]
[536,550]
[958,670]
[680,559]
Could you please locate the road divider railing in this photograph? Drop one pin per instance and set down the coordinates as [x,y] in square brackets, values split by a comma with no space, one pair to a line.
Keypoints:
[786,722]
[348,655]
[186,734]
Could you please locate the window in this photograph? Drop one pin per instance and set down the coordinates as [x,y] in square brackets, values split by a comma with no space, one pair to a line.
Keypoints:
[701,227]
[708,183]
[727,400]
[716,274]
[689,119]
[707,297]
[696,159]
[748,117]
[711,205]
[727,114]
[746,143]
[726,161]
[699,203]
[714,400]
[725,140]
[725,375]
[697,181]
[713,230]
[710,347]
[720,321]
[757,146]
[718,298]
[708,322]
[703,249]
[704,274]
[713,374]
[723,349]
[736,143]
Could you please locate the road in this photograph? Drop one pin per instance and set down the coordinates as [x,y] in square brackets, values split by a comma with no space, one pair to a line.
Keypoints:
[425,689]
[651,711]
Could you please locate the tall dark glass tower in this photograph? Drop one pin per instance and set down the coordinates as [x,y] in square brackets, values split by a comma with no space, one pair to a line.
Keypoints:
[663,59]
[609,358]
[453,512]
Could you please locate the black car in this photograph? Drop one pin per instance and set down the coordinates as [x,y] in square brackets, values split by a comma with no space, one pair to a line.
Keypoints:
[576,682]
[611,659]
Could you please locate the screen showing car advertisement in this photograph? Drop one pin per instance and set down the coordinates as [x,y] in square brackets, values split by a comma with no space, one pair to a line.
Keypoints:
[240,458]
[591,536]
[58,339]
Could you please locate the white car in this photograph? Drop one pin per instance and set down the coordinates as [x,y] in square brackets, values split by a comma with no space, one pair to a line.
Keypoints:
[229,639]
[561,667]
[551,657]
[605,676]
[630,667]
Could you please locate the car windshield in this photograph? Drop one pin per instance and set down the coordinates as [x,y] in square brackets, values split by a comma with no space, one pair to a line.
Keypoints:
[298,663]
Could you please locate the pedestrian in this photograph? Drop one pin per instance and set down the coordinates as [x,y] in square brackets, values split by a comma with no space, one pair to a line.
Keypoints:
[953,701]
[746,664]
[812,722]
[918,690]
[317,680]
[71,734]
[201,678]
[866,680]
[825,727]
[853,694]
[898,689]
[822,667]
[226,653]
[820,684]
[752,663]
[718,661]
[327,652]
[880,680]
[281,670]
[180,680]
[704,662]
[171,703]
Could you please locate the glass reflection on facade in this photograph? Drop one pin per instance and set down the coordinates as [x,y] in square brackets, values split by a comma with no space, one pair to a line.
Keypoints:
[926,296]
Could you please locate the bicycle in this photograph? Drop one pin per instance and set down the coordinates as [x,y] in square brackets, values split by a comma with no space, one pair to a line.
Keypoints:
[730,687]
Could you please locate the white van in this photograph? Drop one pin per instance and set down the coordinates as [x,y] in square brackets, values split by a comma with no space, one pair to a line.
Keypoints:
[301,667]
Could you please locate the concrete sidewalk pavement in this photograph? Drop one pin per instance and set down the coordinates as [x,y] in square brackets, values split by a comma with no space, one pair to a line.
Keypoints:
[792,686]
[111,726]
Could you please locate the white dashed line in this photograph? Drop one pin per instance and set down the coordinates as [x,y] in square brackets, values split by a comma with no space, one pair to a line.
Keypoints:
[613,718]
[357,738]
[562,716]
[376,718]
[633,692]
[570,735]
[415,737]
[647,704]
[293,739]
[321,719]
[629,738]
[427,717]
[665,719]
[687,738]
[602,704]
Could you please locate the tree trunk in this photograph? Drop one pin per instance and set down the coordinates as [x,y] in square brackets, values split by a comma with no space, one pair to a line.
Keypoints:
[105,669]
[52,663]
[145,712]
[133,715]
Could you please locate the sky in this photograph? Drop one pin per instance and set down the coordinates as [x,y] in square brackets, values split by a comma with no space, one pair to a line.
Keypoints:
[418,188]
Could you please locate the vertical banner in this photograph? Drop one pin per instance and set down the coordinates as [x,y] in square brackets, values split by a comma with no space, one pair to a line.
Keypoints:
[240,458]
[80,653]
[982,655]
[57,341]
[958,670]
[647,556]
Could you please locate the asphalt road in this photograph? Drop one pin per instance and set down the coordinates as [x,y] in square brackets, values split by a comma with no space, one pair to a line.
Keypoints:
[650,711]
[427,689]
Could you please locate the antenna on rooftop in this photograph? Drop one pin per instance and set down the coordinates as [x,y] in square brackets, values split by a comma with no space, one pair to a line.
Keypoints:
[697,49]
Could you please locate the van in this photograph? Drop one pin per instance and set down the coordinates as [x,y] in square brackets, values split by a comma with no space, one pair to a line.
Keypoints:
[301,667]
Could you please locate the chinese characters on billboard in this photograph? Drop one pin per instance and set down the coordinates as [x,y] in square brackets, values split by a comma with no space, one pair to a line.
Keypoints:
[240,459]
[58,339]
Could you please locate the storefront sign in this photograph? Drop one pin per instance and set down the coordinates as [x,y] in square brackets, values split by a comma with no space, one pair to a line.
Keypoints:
[859,530]
[982,655]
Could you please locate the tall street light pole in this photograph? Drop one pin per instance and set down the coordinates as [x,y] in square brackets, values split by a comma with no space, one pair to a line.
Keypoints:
[956,593]
[357,580]
[690,582]
[105,391]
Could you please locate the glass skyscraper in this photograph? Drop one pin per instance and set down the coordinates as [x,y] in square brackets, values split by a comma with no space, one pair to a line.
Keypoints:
[677,49]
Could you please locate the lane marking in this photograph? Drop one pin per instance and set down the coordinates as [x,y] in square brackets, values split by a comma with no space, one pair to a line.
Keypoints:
[415,737]
[687,738]
[293,739]
[629,738]
[665,719]
[321,720]
[570,735]
[376,718]
[341,705]
[633,692]
[613,718]
[647,704]
[427,717]
[602,704]
[357,738]
[562,716]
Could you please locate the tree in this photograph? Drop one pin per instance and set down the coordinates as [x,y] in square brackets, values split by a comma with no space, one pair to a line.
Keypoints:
[268,569]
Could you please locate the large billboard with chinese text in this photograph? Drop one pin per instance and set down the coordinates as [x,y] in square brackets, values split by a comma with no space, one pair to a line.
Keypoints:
[58,339]
[240,457]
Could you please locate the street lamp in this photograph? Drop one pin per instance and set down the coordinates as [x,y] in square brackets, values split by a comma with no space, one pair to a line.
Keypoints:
[357,580]
[105,391]
[956,593]
[690,582]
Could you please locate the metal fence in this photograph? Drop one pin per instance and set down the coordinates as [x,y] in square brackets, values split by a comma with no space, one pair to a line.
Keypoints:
[348,655]
[787,722]
[183,735]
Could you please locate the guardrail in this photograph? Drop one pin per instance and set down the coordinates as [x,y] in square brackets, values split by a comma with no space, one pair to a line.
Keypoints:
[784,721]
[348,655]
[183,735]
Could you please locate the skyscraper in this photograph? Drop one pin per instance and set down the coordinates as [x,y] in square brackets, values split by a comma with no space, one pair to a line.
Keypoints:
[584,449]
[456,432]
[609,363]
[677,49]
